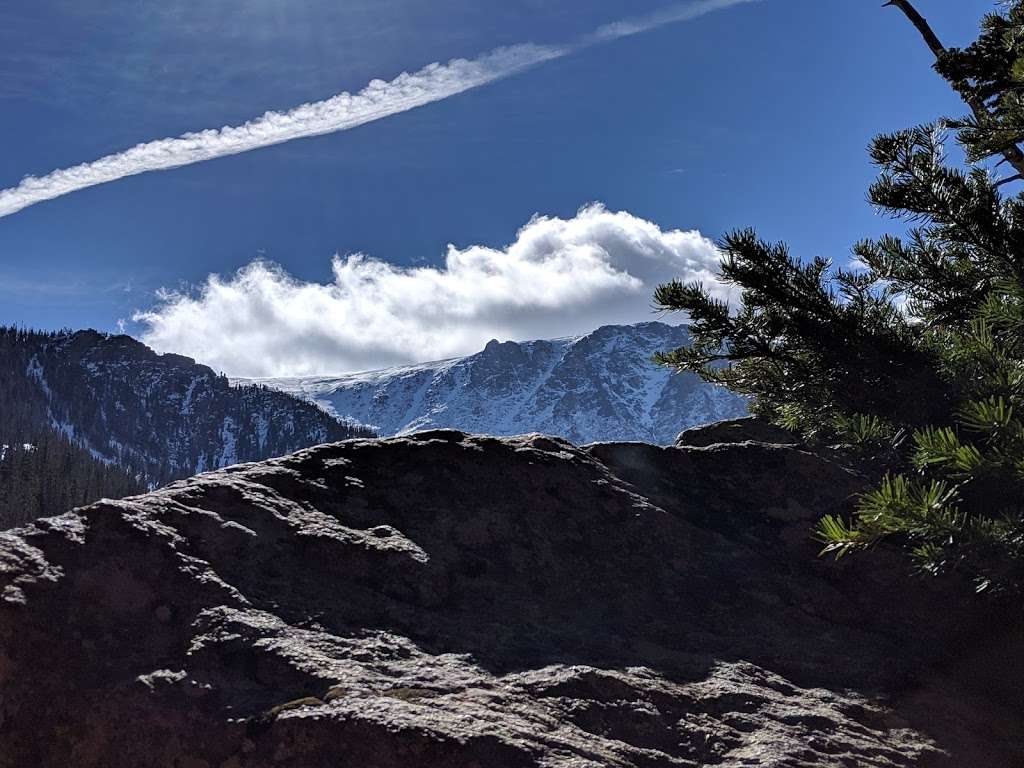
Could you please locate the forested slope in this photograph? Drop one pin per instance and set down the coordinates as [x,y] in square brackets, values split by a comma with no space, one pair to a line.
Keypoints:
[86,415]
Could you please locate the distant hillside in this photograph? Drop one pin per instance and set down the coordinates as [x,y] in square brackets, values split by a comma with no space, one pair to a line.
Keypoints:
[597,387]
[91,405]
[51,475]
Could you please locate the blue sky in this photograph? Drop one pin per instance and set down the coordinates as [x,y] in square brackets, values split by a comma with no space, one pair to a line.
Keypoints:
[754,115]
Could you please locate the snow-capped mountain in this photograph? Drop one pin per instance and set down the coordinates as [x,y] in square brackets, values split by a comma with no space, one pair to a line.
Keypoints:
[160,417]
[598,387]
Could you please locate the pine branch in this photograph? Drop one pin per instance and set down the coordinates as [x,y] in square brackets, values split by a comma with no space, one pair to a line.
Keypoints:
[1012,153]
[921,24]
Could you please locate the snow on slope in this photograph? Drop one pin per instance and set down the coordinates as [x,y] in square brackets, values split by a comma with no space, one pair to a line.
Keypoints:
[159,417]
[597,387]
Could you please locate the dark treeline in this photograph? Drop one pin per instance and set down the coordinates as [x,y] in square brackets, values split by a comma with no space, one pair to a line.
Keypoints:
[50,475]
[41,471]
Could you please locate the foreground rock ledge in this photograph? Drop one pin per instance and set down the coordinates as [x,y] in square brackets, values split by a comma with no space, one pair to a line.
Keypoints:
[447,600]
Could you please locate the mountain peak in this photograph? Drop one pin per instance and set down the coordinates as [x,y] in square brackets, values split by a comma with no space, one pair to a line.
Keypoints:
[594,387]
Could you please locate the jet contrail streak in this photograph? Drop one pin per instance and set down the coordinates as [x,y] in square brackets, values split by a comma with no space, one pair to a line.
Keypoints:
[377,100]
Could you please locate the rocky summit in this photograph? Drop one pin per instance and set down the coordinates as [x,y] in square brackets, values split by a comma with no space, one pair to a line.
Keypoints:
[448,600]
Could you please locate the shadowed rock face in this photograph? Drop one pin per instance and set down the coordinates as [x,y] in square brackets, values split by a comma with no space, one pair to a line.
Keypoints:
[735,431]
[445,600]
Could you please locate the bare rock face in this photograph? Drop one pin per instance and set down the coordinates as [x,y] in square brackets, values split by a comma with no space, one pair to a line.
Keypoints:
[736,431]
[457,601]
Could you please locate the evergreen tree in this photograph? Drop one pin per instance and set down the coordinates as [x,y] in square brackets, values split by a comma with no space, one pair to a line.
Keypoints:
[52,475]
[917,357]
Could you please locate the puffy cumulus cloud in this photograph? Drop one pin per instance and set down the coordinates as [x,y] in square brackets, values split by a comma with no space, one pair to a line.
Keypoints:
[558,277]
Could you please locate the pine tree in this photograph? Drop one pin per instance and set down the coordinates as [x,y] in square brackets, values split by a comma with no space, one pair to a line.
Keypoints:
[917,355]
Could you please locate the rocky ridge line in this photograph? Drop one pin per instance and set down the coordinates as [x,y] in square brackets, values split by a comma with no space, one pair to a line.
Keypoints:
[460,601]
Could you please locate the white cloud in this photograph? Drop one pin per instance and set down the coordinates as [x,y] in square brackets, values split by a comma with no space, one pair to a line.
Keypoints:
[558,277]
[377,100]
[673,14]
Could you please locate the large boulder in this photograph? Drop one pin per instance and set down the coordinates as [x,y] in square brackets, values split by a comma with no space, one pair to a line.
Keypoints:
[746,429]
[457,601]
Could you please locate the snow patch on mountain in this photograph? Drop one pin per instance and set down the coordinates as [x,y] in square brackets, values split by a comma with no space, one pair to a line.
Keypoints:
[597,387]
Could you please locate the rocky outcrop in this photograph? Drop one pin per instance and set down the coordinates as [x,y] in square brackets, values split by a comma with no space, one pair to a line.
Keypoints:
[736,431]
[446,600]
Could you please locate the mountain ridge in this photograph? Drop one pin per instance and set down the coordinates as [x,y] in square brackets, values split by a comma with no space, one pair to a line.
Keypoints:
[593,387]
[156,417]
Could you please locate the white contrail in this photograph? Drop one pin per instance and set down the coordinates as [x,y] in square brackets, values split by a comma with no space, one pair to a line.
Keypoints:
[339,113]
